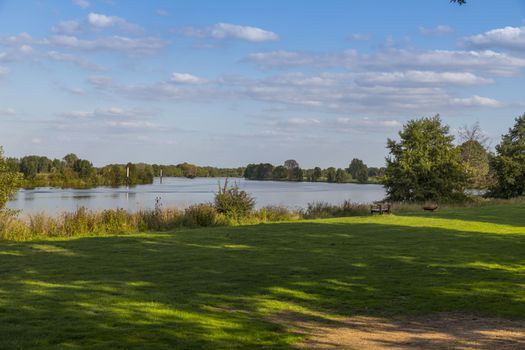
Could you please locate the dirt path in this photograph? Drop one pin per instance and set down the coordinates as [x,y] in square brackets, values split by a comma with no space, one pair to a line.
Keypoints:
[441,331]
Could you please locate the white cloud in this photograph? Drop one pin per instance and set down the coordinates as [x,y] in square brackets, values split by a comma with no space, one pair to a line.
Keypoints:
[368,123]
[226,30]
[102,21]
[25,49]
[7,111]
[83,4]
[95,21]
[185,78]
[130,124]
[100,81]
[36,141]
[119,119]
[303,122]
[508,38]
[413,77]
[231,31]
[359,36]
[162,13]
[112,43]
[487,61]
[67,27]
[437,30]
[83,63]
[20,39]
[361,93]
[476,101]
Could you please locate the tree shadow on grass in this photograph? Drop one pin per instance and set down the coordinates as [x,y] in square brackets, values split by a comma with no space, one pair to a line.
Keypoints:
[509,215]
[219,288]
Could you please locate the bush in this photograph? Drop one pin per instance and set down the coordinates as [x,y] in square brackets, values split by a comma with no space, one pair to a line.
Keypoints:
[234,203]
[277,213]
[201,215]
[319,210]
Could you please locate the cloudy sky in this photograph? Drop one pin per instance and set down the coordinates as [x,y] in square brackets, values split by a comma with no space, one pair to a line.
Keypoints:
[226,83]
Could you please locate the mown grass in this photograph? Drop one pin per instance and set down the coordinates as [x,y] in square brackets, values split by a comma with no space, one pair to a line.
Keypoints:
[221,288]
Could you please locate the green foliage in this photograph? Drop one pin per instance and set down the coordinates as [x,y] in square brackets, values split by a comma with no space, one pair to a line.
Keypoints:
[262,171]
[277,213]
[341,175]
[316,174]
[425,165]
[320,210]
[476,160]
[509,162]
[280,173]
[330,174]
[358,170]
[9,181]
[233,202]
[202,215]
[294,172]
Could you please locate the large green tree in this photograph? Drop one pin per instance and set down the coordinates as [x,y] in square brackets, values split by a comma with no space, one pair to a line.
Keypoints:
[509,162]
[424,164]
[9,181]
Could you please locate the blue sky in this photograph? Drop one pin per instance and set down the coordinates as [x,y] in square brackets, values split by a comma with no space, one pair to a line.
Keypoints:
[226,83]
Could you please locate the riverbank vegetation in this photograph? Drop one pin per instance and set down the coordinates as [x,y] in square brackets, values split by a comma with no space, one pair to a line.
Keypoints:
[231,207]
[241,287]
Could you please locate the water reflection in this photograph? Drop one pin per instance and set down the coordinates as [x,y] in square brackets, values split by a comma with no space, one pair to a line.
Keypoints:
[182,192]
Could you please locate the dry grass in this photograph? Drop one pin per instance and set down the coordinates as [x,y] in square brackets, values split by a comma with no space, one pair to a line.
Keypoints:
[432,332]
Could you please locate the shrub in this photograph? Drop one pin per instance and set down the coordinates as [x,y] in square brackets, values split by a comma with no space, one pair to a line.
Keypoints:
[11,227]
[233,202]
[319,210]
[201,215]
[115,221]
[277,213]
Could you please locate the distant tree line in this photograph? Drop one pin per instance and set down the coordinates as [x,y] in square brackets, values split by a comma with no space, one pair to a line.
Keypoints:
[191,171]
[357,171]
[72,171]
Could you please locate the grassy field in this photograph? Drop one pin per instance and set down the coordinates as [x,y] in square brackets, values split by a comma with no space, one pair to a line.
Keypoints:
[221,288]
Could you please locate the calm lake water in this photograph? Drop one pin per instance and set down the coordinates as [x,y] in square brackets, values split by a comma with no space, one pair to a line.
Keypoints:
[181,192]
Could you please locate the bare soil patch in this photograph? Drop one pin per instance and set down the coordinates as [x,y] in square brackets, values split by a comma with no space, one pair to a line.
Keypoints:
[439,331]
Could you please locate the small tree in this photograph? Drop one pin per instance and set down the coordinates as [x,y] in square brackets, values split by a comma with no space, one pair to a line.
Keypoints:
[509,162]
[233,202]
[425,164]
[9,181]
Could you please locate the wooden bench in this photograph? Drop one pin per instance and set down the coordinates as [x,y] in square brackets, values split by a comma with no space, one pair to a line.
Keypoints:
[380,208]
[430,207]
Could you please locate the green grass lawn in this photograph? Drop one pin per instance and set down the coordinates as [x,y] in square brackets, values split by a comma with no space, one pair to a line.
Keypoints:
[220,288]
